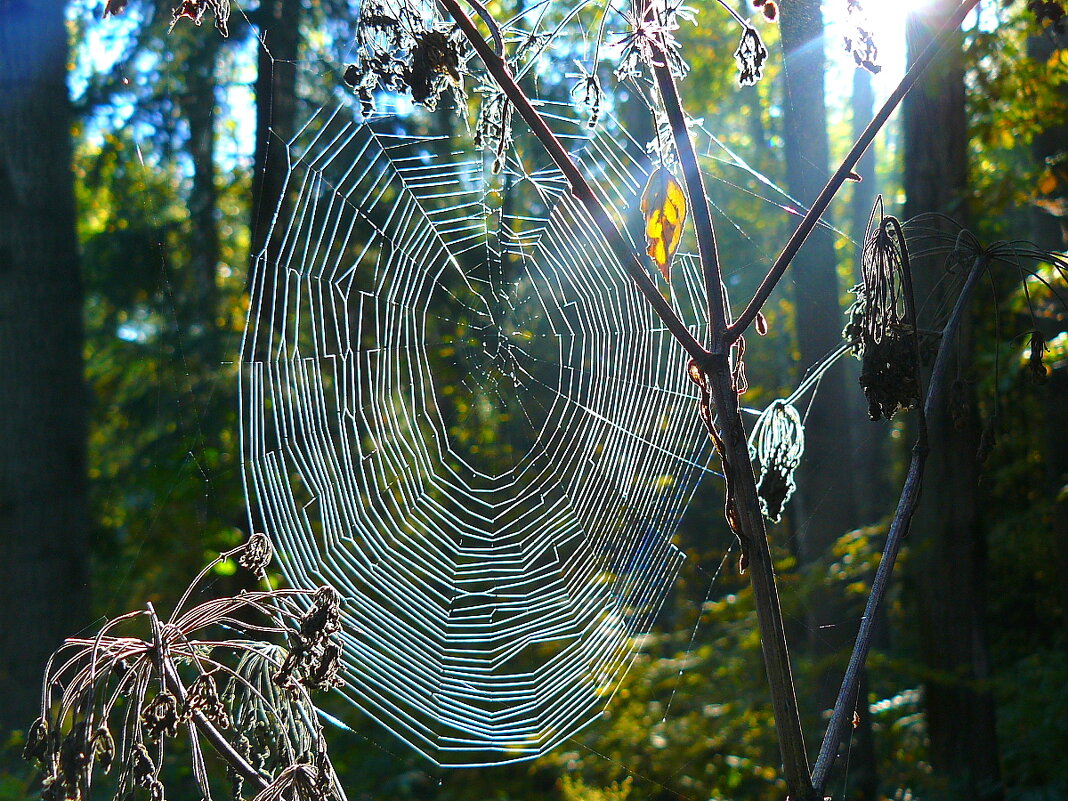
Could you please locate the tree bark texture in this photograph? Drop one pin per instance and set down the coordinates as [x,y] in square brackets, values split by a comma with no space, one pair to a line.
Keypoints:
[43,531]
[279,23]
[946,570]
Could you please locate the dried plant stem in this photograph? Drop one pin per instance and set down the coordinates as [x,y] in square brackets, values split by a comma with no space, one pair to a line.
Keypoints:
[910,497]
[737,464]
[742,490]
[808,222]
[701,213]
[173,682]
[580,187]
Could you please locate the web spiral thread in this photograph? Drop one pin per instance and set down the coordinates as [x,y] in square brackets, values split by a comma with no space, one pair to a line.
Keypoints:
[458,411]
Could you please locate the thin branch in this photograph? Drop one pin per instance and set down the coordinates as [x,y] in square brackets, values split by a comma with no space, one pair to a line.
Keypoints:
[733,448]
[906,507]
[812,217]
[693,179]
[580,188]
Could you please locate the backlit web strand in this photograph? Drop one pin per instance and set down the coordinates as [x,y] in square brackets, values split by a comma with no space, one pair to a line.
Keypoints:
[458,411]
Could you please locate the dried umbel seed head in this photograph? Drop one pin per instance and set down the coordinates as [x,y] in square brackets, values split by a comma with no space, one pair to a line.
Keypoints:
[878,327]
[38,743]
[324,617]
[195,9]
[777,444]
[750,55]
[102,746]
[435,66]
[257,554]
[74,754]
[161,716]
[323,673]
[203,697]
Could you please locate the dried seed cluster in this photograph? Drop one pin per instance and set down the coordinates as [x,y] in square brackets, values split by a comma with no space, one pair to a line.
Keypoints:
[314,659]
[149,689]
[878,327]
[401,51]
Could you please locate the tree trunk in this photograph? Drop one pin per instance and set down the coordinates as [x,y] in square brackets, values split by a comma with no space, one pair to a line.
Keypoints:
[276,109]
[198,106]
[826,504]
[43,532]
[871,458]
[948,546]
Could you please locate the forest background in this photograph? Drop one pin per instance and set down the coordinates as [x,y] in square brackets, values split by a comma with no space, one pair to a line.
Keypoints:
[147,184]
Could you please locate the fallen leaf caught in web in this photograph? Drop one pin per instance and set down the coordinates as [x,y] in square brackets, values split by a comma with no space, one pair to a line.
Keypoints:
[664,208]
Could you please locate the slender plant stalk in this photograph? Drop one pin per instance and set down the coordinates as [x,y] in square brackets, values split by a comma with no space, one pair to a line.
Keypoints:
[580,187]
[899,527]
[173,682]
[737,462]
[808,222]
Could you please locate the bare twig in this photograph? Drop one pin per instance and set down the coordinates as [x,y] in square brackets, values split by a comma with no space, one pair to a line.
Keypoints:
[718,313]
[906,507]
[580,187]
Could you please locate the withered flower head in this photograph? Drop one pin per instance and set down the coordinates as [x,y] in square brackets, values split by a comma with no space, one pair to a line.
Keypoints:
[194,10]
[750,55]
[203,697]
[98,684]
[878,327]
[777,444]
[38,743]
[323,673]
[102,745]
[435,66]
[161,716]
[257,554]
[324,617]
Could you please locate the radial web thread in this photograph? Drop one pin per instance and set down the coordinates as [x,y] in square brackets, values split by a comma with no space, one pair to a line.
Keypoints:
[459,412]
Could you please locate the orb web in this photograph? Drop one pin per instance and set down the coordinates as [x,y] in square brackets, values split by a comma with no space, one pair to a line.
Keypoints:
[458,411]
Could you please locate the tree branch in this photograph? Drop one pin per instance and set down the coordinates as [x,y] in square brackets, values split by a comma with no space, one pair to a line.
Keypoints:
[899,527]
[580,187]
[808,222]
[693,179]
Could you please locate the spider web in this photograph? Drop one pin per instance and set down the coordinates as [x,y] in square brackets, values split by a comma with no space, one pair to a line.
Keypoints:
[459,411]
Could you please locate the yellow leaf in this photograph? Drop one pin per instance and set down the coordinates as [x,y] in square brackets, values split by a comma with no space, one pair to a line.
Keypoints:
[1047,184]
[664,208]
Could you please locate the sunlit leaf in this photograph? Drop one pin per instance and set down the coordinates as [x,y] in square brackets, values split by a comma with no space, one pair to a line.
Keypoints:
[664,208]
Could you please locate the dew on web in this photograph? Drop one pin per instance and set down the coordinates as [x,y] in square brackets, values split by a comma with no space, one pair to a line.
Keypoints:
[458,410]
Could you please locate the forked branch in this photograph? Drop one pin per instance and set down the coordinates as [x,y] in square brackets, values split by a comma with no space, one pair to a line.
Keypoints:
[899,527]
[848,165]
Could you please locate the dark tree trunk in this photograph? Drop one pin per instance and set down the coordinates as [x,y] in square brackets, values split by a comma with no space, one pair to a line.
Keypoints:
[826,505]
[198,106]
[279,23]
[948,546]
[871,459]
[43,532]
